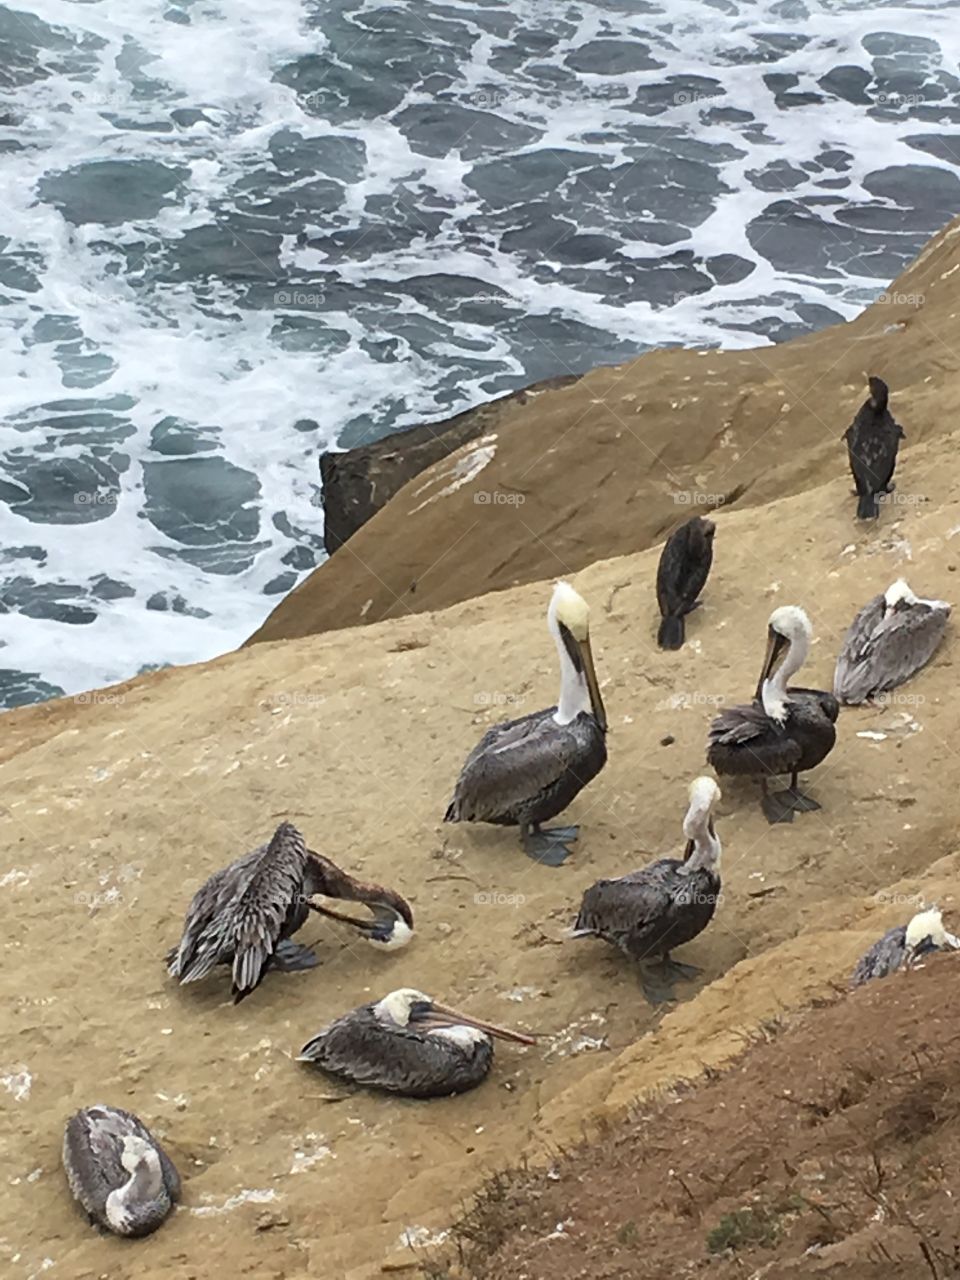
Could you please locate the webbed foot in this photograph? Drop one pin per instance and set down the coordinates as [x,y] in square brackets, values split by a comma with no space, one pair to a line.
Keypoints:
[291,957]
[550,846]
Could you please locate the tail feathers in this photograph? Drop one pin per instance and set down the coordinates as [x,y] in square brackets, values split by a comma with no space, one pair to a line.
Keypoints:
[671,633]
[867,508]
[451,815]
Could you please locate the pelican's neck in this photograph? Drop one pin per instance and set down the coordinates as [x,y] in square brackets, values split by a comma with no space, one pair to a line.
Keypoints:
[706,845]
[774,691]
[144,1186]
[574,694]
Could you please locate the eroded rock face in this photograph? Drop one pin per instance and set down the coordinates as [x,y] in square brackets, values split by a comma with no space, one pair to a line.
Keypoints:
[358,482]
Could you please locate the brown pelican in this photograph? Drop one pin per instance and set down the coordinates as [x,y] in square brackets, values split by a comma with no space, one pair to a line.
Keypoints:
[873,439]
[245,914]
[902,947]
[407,1043]
[890,639]
[650,912]
[681,575]
[524,772]
[118,1172]
[784,729]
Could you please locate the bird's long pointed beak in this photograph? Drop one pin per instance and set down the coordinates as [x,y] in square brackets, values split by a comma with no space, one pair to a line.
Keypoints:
[338,915]
[776,645]
[599,712]
[443,1016]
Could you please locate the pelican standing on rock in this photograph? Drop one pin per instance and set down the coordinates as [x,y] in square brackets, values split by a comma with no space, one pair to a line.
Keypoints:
[785,729]
[650,912]
[524,772]
[873,439]
[902,947]
[118,1172]
[681,575]
[890,639]
[245,914]
[407,1043]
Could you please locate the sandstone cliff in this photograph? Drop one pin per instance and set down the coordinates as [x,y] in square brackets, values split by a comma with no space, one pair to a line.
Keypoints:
[112,811]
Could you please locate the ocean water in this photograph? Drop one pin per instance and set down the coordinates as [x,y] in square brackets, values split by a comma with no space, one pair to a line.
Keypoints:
[233,235]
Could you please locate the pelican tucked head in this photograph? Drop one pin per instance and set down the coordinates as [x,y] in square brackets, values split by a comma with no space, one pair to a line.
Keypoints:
[136,1151]
[925,932]
[703,844]
[135,1208]
[788,641]
[899,593]
[568,618]
[413,1010]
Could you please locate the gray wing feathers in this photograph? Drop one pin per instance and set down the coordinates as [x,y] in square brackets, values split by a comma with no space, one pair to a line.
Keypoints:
[883,958]
[512,763]
[617,906]
[740,726]
[885,647]
[261,909]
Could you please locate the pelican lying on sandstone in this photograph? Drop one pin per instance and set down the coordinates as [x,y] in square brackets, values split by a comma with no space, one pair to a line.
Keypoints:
[245,914]
[118,1172]
[407,1043]
[524,772]
[650,912]
[785,729]
[902,947]
[890,639]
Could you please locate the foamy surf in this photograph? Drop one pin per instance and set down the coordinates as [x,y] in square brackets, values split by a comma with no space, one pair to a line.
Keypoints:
[231,239]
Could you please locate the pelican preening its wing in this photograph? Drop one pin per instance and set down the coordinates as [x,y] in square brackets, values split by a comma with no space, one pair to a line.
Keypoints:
[118,1172]
[785,730]
[681,575]
[873,439]
[406,1043]
[246,913]
[902,947]
[524,772]
[650,912]
[892,637]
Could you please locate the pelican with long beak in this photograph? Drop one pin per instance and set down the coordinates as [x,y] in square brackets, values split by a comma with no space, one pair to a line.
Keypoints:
[524,772]
[785,730]
[246,913]
[650,912]
[904,947]
[119,1174]
[409,1044]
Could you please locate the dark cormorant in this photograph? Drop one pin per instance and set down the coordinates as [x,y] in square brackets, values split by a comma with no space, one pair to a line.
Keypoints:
[524,772]
[683,570]
[784,730]
[890,639]
[650,912]
[407,1043]
[873,439]
[903,946]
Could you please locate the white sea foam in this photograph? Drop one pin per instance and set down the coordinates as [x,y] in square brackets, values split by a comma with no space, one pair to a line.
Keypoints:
[176,345]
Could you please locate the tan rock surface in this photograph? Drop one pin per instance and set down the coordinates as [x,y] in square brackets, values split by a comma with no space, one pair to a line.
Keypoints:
[742,426]
[112,812]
